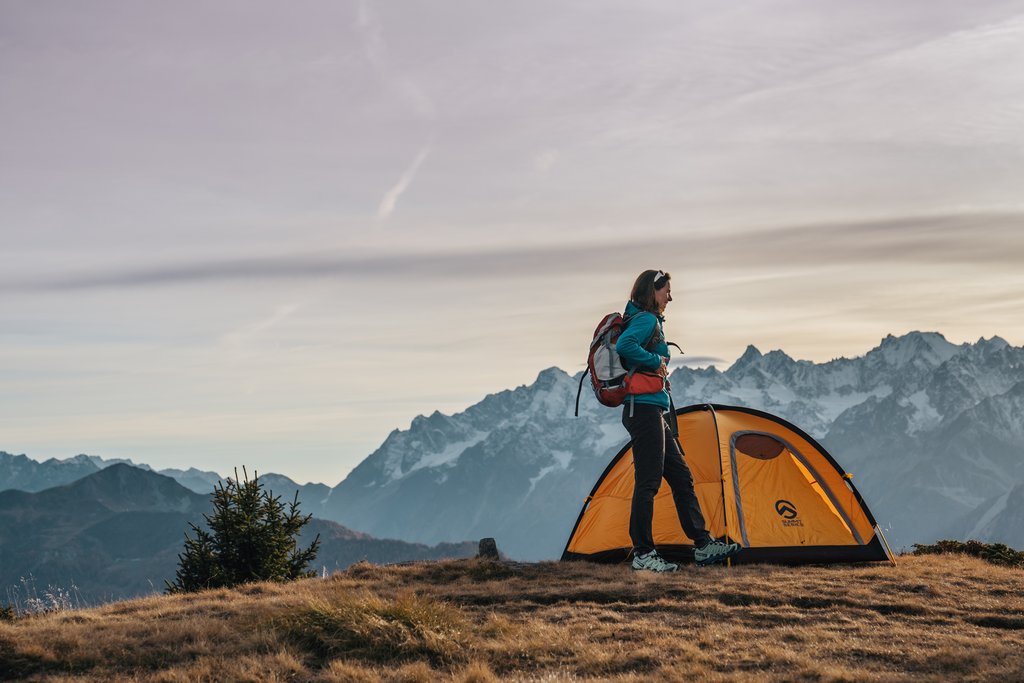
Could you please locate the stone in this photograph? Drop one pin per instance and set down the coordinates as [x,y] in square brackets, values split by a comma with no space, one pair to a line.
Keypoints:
[488,549]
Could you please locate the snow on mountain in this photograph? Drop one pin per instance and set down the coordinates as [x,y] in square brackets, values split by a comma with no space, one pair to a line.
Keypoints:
[998,520]
[24,474]
[103,463]
[923,350]
[932,430]
[510,467]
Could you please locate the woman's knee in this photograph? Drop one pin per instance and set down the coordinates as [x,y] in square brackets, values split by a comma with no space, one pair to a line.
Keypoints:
[646,487]
[679,479]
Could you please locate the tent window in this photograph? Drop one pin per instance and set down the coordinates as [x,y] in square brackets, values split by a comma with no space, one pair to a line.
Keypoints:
[760,446]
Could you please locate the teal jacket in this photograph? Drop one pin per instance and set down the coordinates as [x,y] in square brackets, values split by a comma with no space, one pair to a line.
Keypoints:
[644,330]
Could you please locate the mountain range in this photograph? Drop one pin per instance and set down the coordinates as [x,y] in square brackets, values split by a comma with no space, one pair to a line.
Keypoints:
[931,431]
[117,533]
[25,474]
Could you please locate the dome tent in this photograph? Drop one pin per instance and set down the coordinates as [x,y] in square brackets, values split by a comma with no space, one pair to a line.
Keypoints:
[760,480]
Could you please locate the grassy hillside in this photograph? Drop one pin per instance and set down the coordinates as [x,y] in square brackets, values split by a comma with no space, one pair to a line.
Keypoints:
[939,617]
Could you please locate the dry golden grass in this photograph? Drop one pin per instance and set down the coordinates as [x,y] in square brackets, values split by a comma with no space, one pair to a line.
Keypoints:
[938,618]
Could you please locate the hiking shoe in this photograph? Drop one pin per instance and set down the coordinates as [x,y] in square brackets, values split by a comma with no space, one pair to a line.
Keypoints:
[715,551]
[653,562]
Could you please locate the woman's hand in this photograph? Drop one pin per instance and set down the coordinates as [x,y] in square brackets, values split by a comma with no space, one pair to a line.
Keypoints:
[663,368]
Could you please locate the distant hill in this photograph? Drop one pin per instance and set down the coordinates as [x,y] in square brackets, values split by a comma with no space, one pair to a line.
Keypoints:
[22,473]
[117,533]
[114,533]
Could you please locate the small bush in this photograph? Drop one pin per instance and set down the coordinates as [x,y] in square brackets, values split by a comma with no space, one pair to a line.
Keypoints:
[251,538]
[996,553]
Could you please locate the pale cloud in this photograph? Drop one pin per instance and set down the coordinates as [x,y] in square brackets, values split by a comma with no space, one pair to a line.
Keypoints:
[814,178]
[744,256]
[240,336]
[418,98]
[375,50]
[545,161]
[390,200]
[372,38]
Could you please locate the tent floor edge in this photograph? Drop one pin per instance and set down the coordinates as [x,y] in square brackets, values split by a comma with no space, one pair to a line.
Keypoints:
[604,557]
[792,555]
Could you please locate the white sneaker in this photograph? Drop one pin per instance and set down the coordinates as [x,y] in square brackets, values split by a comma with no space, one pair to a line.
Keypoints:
[715,551]
[653,562]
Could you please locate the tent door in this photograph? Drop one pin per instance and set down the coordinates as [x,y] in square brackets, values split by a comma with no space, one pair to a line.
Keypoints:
[789,450]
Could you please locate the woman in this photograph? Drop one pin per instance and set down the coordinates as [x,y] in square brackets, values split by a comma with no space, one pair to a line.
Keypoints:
[656,452]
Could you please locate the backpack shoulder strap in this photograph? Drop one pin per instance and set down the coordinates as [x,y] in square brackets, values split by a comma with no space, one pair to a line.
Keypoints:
[654,337]
[655,333]
[626,319]
[580,390]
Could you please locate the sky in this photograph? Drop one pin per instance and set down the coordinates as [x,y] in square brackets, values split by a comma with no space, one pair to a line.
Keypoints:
[268,234]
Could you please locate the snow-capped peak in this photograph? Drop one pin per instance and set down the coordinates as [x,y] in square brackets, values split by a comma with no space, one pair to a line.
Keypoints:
[750,357]
[929,347]
[905,417]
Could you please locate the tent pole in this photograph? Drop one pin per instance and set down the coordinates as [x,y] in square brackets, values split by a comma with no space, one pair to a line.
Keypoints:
[888,550]
[721,476]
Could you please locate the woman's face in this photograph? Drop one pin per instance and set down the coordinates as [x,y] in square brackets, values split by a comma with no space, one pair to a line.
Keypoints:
[663,296]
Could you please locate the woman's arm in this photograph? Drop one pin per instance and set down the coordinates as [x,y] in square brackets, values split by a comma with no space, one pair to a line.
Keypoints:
[633,339]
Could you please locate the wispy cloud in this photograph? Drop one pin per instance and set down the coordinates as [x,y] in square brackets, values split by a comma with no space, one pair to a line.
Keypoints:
[545,161]
[372,39]
[390,200]
[375,51]
[979,239]
[241,335]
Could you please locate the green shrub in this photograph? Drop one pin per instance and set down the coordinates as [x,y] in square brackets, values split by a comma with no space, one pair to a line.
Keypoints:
[251,537]
[996,553]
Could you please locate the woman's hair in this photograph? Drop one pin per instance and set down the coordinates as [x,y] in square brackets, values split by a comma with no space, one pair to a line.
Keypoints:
[644,288]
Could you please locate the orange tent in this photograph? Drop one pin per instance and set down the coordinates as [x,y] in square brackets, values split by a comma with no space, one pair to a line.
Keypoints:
[761,482]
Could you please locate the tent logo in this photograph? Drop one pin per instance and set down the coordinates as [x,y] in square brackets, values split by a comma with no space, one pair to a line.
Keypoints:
[787,511]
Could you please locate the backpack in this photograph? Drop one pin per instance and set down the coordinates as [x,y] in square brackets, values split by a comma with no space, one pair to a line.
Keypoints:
[610,380]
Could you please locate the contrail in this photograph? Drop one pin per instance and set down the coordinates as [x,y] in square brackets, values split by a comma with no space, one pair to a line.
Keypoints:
[387,204]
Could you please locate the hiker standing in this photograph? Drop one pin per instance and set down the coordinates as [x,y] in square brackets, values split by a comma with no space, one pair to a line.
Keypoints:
[656,451]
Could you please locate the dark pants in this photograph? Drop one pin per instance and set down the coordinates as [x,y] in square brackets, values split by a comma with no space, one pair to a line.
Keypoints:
[656,454]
